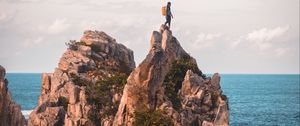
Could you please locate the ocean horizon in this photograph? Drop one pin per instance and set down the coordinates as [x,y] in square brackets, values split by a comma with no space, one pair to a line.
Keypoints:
[254,99]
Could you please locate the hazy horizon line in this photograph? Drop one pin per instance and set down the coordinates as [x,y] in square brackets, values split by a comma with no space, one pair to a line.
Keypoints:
[209,73]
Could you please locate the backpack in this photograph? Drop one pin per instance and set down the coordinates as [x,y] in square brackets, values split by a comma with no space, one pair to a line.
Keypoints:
[164,10]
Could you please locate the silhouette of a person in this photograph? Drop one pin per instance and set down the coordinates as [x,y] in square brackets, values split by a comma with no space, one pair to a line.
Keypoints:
[168,15]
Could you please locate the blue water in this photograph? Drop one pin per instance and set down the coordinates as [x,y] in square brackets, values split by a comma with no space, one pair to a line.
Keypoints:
[262,99]
[25,89]
[254,100]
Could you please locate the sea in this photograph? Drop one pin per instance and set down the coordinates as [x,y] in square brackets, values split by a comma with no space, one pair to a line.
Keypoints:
[254,99]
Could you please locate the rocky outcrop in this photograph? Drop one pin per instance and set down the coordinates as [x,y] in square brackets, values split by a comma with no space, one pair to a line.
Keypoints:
[197,100]
[68,95]
[10,112]
[96,83]
[202,101]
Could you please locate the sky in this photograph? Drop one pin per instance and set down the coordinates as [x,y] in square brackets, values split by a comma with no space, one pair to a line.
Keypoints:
[225,36]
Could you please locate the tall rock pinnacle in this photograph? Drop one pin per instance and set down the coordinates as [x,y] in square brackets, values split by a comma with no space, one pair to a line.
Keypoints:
[160,85]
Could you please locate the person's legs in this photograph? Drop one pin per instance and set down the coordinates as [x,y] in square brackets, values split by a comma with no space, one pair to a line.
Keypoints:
[168,20]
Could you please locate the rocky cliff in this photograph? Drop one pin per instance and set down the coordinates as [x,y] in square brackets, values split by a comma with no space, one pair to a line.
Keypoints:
[87,86]
[10,112]
[96,83]
[168,88]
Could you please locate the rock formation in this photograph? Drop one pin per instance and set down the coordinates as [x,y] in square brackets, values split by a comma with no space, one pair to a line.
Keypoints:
[75,94]
[169,86]
[10,112]
[96,83]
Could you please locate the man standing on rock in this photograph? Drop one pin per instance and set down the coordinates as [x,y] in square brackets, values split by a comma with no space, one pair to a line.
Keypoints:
[168,14]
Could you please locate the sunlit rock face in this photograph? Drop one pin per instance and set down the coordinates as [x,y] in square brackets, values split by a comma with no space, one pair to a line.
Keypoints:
[97,83]
[169,84]
[67,95]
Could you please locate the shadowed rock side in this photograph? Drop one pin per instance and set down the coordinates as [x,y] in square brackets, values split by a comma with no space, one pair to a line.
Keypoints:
[167,88]
[10,112]
[86,87]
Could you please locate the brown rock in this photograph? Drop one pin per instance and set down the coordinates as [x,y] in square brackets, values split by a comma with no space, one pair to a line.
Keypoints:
[65,96]
[144,88]
[10,112]
[97,55]
[191,84]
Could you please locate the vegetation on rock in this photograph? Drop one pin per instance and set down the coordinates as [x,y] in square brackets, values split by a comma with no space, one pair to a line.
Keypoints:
[73,44]
[100,94]
[174,78]
[62,101]
[151,118]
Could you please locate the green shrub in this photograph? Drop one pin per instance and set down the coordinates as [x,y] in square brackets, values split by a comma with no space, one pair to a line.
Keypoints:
[151,118]
[73,44]
[174,78]
[77,80]
[62,101]
[101,93]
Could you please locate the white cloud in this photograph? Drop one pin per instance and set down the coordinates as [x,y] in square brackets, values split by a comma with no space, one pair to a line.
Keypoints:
[235,43]
[205,40]
[264,36]
[58,26]
[3,16]
[7,15]
[281,51]
[33,41]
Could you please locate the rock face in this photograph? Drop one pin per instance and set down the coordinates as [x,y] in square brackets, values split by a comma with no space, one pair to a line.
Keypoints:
[68,95]
[150,88]
[10,112]
[96,83]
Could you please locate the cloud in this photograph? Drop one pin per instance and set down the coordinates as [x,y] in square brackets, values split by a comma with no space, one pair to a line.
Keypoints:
[3,16]
[205,40]
[33,41]
[281,51]
[235,43]
[58,26]
[264,36]
[23,1]
[7,15]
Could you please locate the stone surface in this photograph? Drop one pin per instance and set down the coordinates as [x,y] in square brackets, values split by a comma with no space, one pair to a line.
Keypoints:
[206,98]
[10,112]
[62,102]
[201,98]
